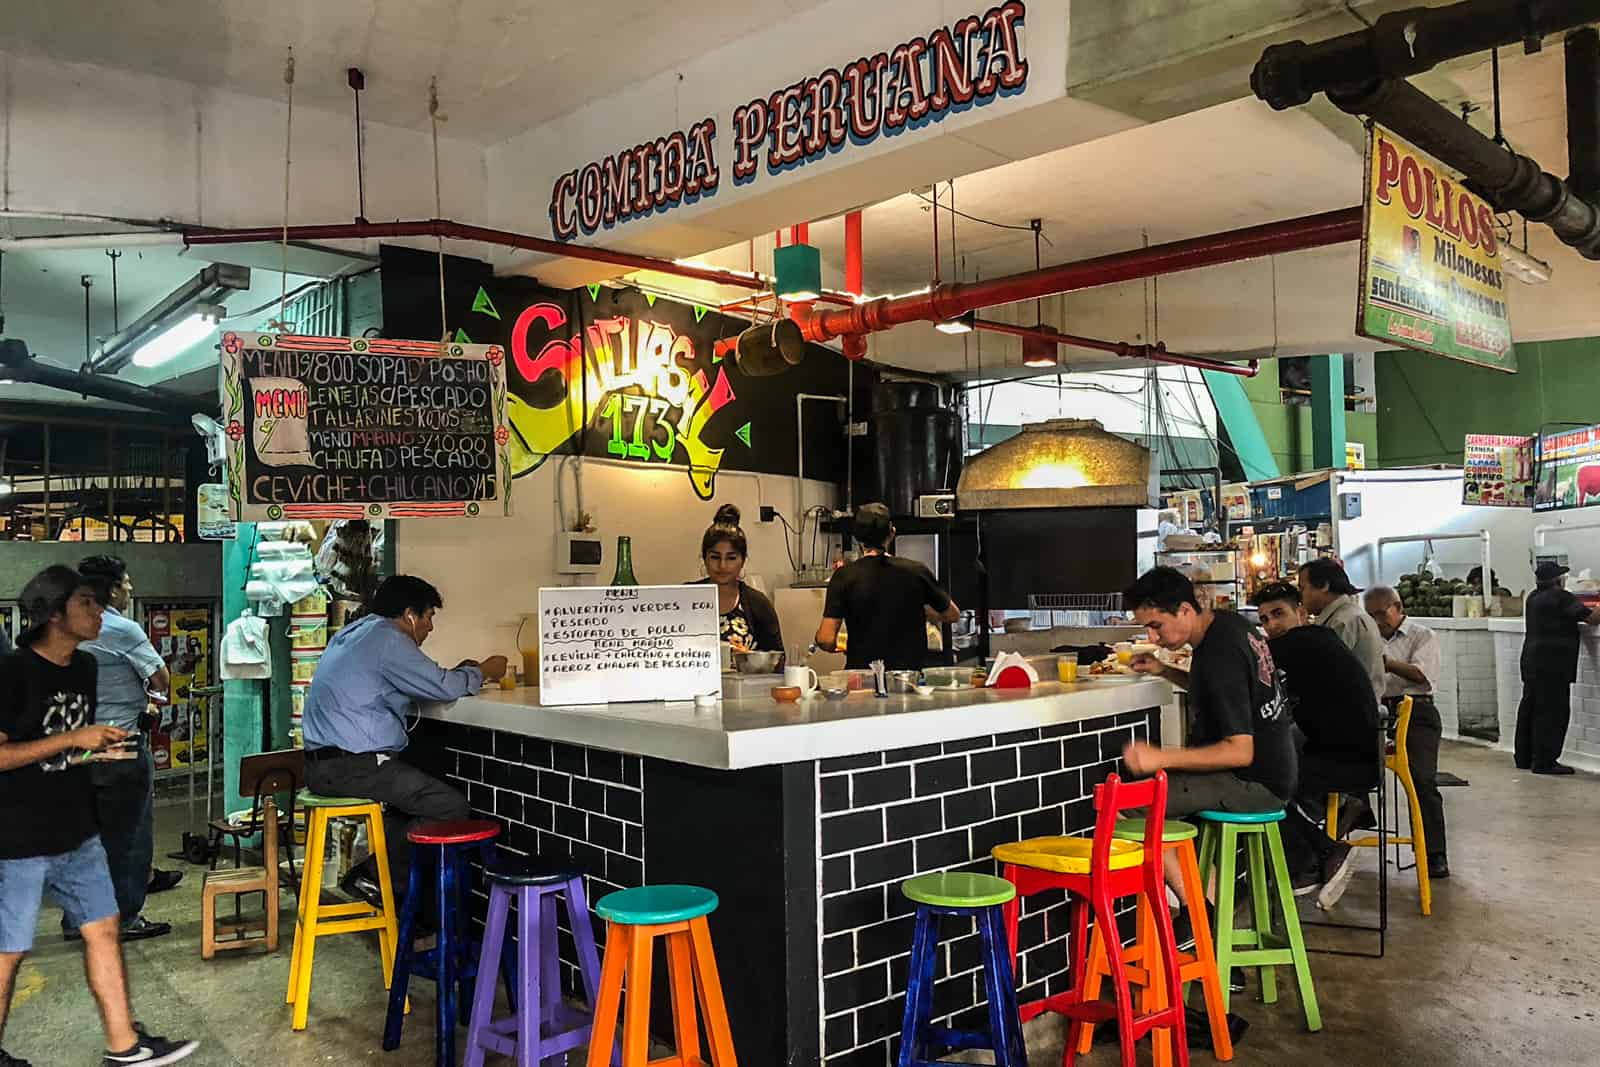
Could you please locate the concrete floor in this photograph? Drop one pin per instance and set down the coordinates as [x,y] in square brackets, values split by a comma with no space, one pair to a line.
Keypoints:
[1506,970]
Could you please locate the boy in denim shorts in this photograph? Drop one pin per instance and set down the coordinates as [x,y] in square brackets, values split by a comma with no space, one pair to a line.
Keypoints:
[49,842]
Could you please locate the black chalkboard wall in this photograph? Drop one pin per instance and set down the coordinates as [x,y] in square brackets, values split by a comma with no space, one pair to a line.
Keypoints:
[646,388]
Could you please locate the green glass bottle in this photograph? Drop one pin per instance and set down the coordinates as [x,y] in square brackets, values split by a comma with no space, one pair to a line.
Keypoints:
[624,575]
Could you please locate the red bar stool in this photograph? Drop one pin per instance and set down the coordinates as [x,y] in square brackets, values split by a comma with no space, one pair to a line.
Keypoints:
[453,962]
[1095,872]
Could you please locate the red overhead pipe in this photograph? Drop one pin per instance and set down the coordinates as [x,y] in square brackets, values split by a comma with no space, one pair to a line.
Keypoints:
[461,231]
[855,346]
[951,301]
[1156,353]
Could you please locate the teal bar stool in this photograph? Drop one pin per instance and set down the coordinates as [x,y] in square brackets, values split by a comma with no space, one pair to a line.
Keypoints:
[1255,946]
[635,918]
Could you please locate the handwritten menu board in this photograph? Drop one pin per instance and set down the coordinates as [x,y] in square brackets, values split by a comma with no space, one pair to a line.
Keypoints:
[599,645]
[363,428]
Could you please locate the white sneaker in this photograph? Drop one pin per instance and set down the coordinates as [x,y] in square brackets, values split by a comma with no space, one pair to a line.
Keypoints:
[1338,867]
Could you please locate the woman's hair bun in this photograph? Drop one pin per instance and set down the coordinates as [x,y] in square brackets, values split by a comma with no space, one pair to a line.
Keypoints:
[727,515]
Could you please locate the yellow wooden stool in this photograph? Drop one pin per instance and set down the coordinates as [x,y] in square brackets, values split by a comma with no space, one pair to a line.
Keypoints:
[1399,762]
[317,919]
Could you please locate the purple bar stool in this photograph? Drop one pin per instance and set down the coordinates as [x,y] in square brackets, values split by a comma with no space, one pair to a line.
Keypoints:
[540,1026]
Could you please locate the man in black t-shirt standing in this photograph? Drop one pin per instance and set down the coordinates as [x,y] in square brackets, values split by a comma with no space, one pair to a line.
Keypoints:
[49,840]
[1240,755]
[883,602]
[1549,667]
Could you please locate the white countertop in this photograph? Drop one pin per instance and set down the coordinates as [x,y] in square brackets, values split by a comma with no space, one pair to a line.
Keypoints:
[735,734]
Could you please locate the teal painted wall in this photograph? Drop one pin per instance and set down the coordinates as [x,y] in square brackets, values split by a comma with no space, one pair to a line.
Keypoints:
[1287,428]
[1427,405]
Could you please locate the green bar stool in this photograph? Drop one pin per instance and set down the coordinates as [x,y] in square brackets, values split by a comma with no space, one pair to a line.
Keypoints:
[1255,946]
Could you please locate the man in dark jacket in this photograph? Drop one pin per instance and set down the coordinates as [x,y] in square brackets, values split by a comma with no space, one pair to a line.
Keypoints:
[1549,667]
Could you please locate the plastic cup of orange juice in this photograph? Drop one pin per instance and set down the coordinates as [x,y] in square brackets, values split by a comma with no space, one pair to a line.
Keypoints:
[1067,668]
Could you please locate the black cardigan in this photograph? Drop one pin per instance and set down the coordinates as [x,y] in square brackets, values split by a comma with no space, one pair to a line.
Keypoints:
[758,611]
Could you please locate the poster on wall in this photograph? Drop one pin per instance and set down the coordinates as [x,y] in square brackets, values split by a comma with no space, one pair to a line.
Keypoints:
[364,428]
[1497,471]
[182,636]
[1569,470]
[1236,501]
[1430,263]
[211,512]
[626,376]
[619,644]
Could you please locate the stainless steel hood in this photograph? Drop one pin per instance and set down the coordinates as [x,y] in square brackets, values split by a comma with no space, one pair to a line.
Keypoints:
[1062,463]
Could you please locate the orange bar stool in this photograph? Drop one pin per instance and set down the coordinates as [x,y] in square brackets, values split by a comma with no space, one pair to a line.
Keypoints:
[1398,761]
[634,919]
[317,919]
[1095,872]
[1200,965]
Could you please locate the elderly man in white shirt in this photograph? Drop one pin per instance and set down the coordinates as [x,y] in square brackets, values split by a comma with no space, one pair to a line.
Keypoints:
[1411,660]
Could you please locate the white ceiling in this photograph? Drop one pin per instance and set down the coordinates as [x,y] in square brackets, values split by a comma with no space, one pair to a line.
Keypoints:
[503,65]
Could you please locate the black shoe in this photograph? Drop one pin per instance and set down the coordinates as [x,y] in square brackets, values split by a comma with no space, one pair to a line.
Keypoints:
[1524,766]
[1438,869]
[8,1060]
[1554,768]
[150,1051]
[139,928]
[358,885]
[162,881]
[1307,881]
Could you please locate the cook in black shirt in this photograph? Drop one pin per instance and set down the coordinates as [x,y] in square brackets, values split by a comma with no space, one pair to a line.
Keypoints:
[884,602]
[48,838]
[1240,755]
[1549,667]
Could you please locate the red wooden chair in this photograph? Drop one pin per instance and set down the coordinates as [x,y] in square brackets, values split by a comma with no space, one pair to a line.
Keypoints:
[1096,872]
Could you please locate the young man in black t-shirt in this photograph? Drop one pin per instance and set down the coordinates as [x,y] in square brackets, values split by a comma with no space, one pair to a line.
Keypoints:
[883,602]
[1240,756]
[49,841]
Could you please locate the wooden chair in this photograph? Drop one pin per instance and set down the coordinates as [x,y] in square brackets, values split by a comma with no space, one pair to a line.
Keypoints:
[260,776]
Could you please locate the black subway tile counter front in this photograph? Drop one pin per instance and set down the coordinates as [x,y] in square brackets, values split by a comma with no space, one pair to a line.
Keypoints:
[804,822]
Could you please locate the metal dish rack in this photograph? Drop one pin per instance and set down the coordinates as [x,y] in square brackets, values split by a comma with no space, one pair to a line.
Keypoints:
[1076,609]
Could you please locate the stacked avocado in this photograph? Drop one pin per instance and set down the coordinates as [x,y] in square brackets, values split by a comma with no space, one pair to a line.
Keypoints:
[1429,597]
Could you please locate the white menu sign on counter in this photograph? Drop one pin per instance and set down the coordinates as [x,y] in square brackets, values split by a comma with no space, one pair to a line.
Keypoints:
[615,644]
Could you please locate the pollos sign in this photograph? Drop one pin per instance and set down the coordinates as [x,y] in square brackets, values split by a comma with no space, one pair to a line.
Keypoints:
[966,64]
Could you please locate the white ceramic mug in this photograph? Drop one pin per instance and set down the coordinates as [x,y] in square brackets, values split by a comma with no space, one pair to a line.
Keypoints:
[802,678]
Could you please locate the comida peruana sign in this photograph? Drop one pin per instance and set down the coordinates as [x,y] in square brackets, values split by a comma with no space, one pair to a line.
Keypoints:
[966,64]
[1430,260]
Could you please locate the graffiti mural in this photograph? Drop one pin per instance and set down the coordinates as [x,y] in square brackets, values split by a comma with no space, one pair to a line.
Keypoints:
[622,375]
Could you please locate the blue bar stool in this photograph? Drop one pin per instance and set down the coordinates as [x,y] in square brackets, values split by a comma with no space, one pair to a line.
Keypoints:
[978,897]
[453,962]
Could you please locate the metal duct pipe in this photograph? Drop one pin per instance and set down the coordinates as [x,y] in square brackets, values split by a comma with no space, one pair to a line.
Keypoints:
[1156,353]
[20,365]
[1509,180]
[460,231]
[1583,112]
[951,301]
[1403,43]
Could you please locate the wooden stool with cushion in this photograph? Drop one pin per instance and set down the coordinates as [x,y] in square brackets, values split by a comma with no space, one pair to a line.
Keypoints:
[261,775]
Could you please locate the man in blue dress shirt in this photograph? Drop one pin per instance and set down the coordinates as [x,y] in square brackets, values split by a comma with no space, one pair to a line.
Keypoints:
[366,684]
[129,669]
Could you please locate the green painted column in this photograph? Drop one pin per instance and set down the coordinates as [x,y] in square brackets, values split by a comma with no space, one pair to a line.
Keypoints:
[1327,411]
[1244,430]
[243,704]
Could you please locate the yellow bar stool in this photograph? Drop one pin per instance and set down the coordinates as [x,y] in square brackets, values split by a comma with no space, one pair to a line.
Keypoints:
[317,919]
[1399,763]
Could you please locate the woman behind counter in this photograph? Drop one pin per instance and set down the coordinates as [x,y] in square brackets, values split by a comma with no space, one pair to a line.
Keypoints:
[749,622]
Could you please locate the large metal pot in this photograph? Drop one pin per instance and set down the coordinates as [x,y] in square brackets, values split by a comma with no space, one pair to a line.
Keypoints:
[758,662]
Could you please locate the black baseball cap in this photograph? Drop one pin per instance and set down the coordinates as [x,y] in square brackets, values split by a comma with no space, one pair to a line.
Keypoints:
[872,525]
[1549,570]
